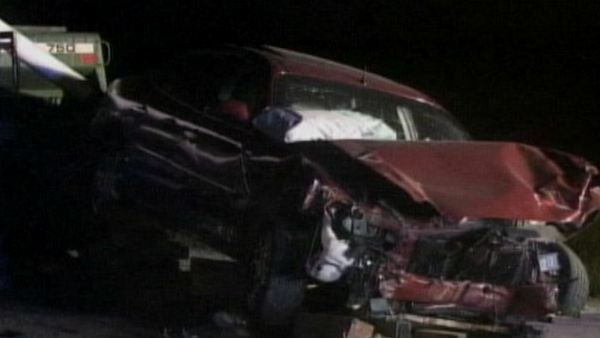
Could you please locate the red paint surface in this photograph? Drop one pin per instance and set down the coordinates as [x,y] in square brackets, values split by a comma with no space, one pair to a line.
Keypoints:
[527,300]
[479,297]
[486,179]
[289,62]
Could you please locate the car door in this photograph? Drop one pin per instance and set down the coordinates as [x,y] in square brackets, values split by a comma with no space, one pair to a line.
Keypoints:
[179,159]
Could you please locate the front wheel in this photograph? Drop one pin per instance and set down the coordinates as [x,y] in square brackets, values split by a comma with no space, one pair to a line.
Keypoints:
[276,278]
[574,286]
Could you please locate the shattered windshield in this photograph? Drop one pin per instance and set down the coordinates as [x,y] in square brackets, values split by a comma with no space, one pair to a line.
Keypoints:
[322,110]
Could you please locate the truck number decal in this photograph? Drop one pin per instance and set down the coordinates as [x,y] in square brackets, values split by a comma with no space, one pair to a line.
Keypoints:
[67,47]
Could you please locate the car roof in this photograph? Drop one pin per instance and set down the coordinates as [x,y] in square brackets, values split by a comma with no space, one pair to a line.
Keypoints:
[284,61]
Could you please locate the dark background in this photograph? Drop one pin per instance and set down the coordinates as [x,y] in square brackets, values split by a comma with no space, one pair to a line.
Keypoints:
[509,71]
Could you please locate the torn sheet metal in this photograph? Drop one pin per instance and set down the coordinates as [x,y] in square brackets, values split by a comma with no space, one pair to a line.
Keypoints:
[529,300]
[479,297]
[458,179]
[486,179]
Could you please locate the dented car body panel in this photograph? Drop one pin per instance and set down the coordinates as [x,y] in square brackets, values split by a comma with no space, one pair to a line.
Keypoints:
[413,212]
[348,178]
[486,179]
[461,179]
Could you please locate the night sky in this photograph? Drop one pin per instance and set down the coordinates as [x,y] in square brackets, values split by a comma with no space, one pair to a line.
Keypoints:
[524,72]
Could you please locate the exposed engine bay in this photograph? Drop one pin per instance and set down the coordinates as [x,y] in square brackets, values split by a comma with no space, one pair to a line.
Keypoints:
[486,269]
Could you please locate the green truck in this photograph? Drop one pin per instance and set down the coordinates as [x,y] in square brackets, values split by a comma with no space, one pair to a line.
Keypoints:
[86,53]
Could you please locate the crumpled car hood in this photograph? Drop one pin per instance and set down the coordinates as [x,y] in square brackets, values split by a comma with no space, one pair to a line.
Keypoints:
[484,179]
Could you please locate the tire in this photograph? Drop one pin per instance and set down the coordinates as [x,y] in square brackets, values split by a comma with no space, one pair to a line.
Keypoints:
[282,299]
[574,286]
[276,282]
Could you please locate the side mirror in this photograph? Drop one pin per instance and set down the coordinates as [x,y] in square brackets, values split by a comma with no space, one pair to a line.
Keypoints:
[235,109]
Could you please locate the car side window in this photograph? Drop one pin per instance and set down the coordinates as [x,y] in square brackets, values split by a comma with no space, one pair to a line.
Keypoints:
[436,126]
[200,80]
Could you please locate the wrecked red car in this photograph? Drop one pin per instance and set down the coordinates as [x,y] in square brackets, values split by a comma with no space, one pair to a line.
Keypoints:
[306,171]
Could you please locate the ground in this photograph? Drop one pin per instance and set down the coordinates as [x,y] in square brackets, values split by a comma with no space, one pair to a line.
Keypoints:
[27,321]
[587,326]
